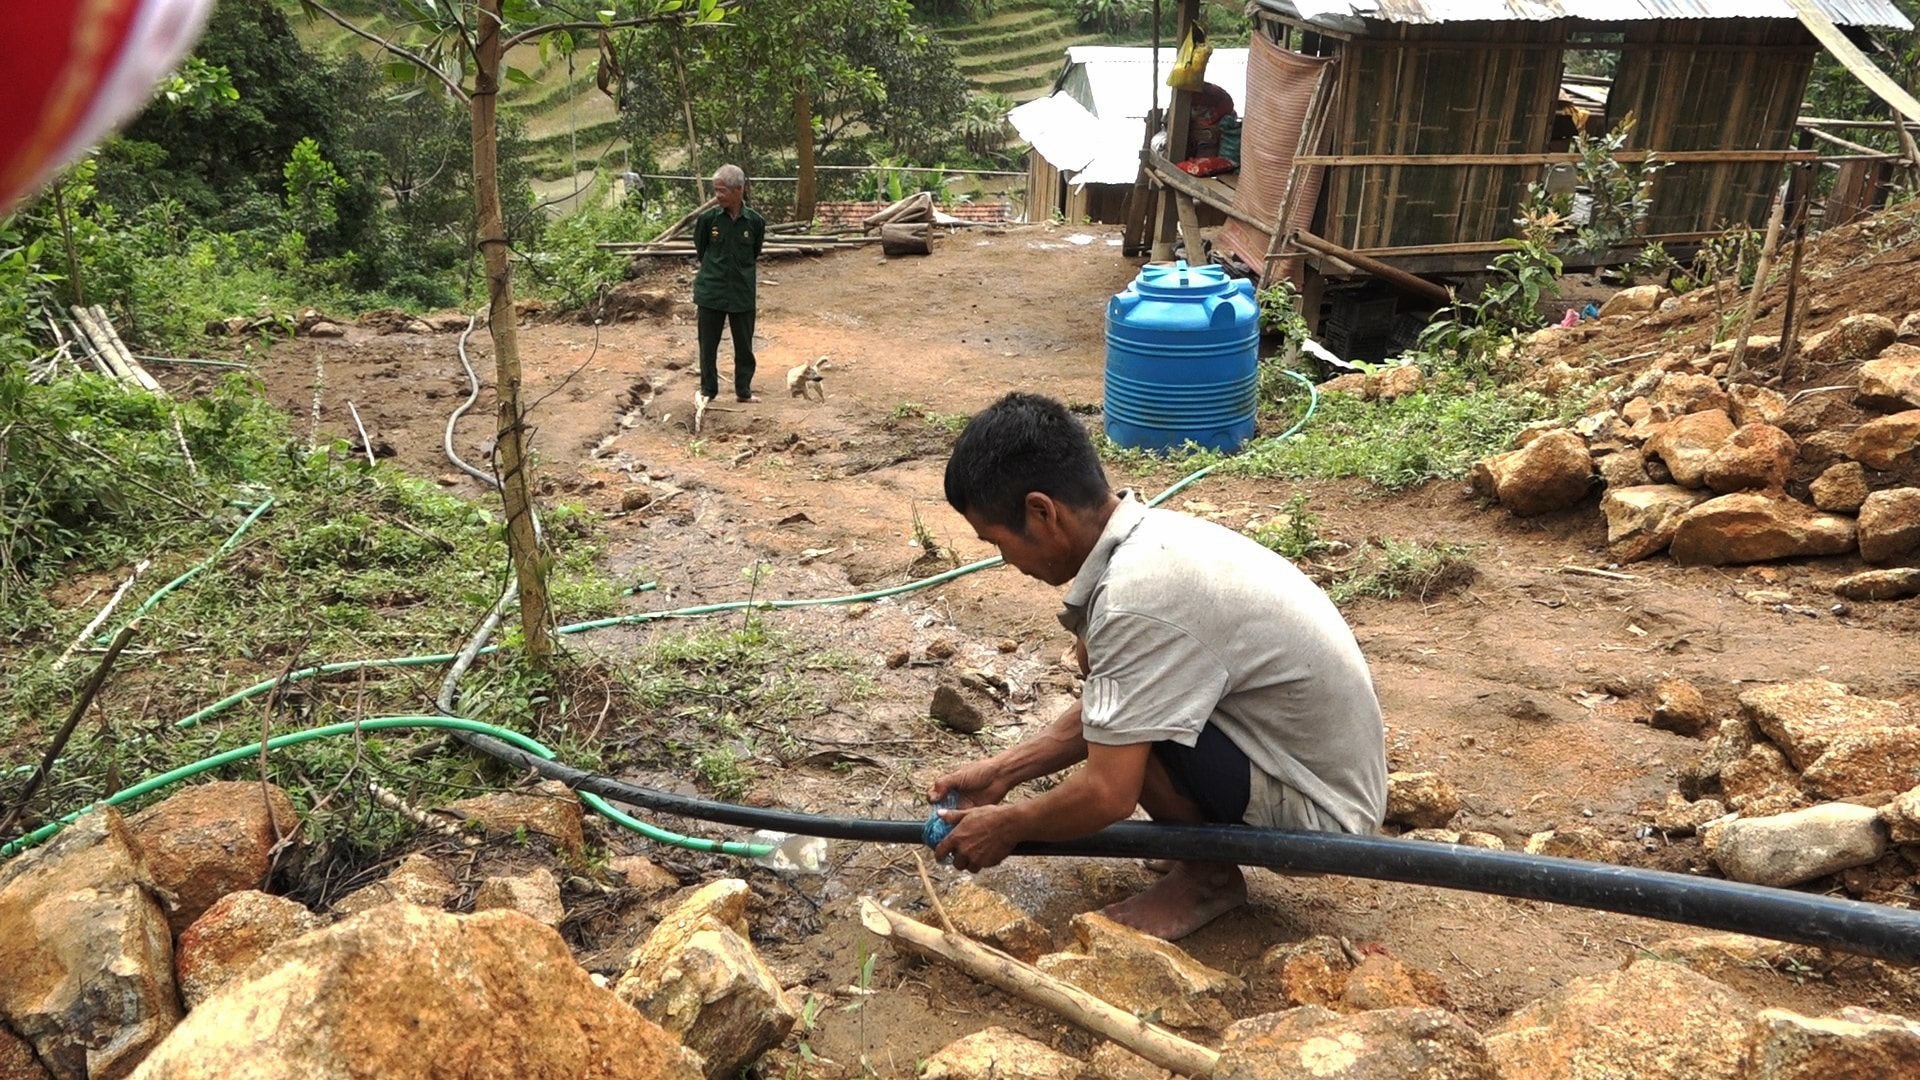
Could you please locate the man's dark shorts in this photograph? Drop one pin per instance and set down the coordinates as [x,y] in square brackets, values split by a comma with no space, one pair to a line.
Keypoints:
[1213,772]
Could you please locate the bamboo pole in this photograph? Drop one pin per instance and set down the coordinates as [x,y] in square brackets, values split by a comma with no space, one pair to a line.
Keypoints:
[96,343]
[1393,275]
[677,227]
[1739,362]
[1156,1044]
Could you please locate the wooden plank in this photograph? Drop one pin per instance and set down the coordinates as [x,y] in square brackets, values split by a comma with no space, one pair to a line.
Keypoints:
[1675,156]
[1195,244]
[1179,110]
[1850,56]
[1393,275]
[1168,175]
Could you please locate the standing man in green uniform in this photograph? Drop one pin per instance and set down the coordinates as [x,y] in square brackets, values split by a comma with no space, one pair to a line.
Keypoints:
[728,239]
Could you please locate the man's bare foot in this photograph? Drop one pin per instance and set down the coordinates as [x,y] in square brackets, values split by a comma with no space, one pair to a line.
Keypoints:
[750,399]
[1188,898]
[1158,866]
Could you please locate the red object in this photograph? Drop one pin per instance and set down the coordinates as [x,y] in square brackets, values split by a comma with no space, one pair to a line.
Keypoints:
[77,69]
[1206,166]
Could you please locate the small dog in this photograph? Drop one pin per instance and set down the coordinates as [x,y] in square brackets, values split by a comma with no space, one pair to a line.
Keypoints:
[805,381]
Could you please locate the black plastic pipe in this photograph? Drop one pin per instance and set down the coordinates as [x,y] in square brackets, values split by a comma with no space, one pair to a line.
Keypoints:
[1875,930]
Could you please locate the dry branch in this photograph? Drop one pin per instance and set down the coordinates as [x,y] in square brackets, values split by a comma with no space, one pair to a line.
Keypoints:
[1156,1044]
[87,693]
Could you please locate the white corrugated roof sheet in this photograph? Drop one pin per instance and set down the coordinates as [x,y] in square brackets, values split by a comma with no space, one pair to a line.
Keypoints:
[1873,13]
[1091,127]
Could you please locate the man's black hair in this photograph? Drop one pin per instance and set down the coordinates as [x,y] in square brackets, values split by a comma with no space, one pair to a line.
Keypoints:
[1019,444]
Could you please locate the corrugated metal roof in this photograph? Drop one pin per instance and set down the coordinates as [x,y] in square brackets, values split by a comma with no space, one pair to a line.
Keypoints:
[1873,13]
[1091,127]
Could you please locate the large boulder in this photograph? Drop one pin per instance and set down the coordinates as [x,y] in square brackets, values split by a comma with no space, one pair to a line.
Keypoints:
[86,959]
[234,932]
[1891,383]
[1852,340]
[1650,1021]
[407,991]
[210,840]
[1877,761]
[1842,488]
[1421,800]
[1685,445]
[1757,457]
[1761,773]
[1787,849]
[1624,469]
[1141,974]
[1550,473]
[987,916]
[549,809]
[1312,1043]
[1804,717]
[1638,300]
[1641,520]
[1855,1042]
[1890,442]
[699,977]
[1890,525]
[999,1054]
[1749,528]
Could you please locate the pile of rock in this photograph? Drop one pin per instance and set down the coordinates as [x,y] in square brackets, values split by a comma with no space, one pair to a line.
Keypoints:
[145,947]
[1702,468]
[1351,1012]
[1810,779]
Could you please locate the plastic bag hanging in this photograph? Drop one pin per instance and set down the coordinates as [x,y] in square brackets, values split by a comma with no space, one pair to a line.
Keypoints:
[1190,63]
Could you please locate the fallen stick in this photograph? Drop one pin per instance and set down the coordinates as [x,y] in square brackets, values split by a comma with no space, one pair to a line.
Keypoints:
[365,443]
[1593,572]
[1767,250]
[87,693]
[674,229]
[1156,1044]
[122,354]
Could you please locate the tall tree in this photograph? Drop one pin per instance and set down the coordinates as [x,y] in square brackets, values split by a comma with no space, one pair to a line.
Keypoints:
[462,44]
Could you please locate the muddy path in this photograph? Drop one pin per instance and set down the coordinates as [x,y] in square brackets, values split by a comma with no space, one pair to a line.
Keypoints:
[1529,689]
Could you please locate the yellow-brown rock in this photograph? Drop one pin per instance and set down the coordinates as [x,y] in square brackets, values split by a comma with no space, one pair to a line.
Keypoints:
[233,933]
[212,839]
[699,977]
[1650,1021]
[408,991]
[86,959]
[548,809]
[981,913]
[1311,1043]
[1142,974]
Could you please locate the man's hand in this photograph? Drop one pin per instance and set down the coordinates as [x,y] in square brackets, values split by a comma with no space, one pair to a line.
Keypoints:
[979,783]
[982,836]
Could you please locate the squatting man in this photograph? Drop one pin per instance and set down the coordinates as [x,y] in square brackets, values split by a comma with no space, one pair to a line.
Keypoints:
[1221,684]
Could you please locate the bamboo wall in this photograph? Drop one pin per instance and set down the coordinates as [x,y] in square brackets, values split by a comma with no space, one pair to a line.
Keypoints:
[1733,85]
[1492,88]
[1480,89]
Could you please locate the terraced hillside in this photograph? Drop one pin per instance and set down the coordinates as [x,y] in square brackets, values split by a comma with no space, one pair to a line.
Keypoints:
[560,111]
[1019,49]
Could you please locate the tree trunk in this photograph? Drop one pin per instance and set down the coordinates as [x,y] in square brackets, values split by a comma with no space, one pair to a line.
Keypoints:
[686,113]
[803,198]
[523,546]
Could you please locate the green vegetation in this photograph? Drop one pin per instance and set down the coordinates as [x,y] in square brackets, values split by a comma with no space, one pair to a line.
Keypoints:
[1397,568]
[1294,532]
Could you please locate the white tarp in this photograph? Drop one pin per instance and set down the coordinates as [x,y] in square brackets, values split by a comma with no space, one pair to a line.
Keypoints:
[1090,129]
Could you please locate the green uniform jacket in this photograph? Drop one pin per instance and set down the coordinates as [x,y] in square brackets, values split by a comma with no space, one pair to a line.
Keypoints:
[729,248]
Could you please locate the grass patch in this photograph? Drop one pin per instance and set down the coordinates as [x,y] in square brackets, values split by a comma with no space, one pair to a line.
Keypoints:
[1396,568]
[1431,435]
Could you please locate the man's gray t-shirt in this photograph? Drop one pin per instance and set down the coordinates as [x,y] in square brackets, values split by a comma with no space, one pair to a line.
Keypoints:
[1188,622]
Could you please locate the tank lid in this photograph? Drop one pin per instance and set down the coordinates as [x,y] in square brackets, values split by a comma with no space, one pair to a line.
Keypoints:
[1177,280]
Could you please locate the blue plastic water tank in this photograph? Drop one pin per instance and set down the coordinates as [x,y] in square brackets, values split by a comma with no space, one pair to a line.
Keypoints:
[1183,349]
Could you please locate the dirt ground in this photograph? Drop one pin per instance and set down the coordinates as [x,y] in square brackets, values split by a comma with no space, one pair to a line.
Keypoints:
[1529,690]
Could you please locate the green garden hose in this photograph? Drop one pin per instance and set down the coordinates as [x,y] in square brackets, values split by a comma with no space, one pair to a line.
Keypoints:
[161,593]
[457,723]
